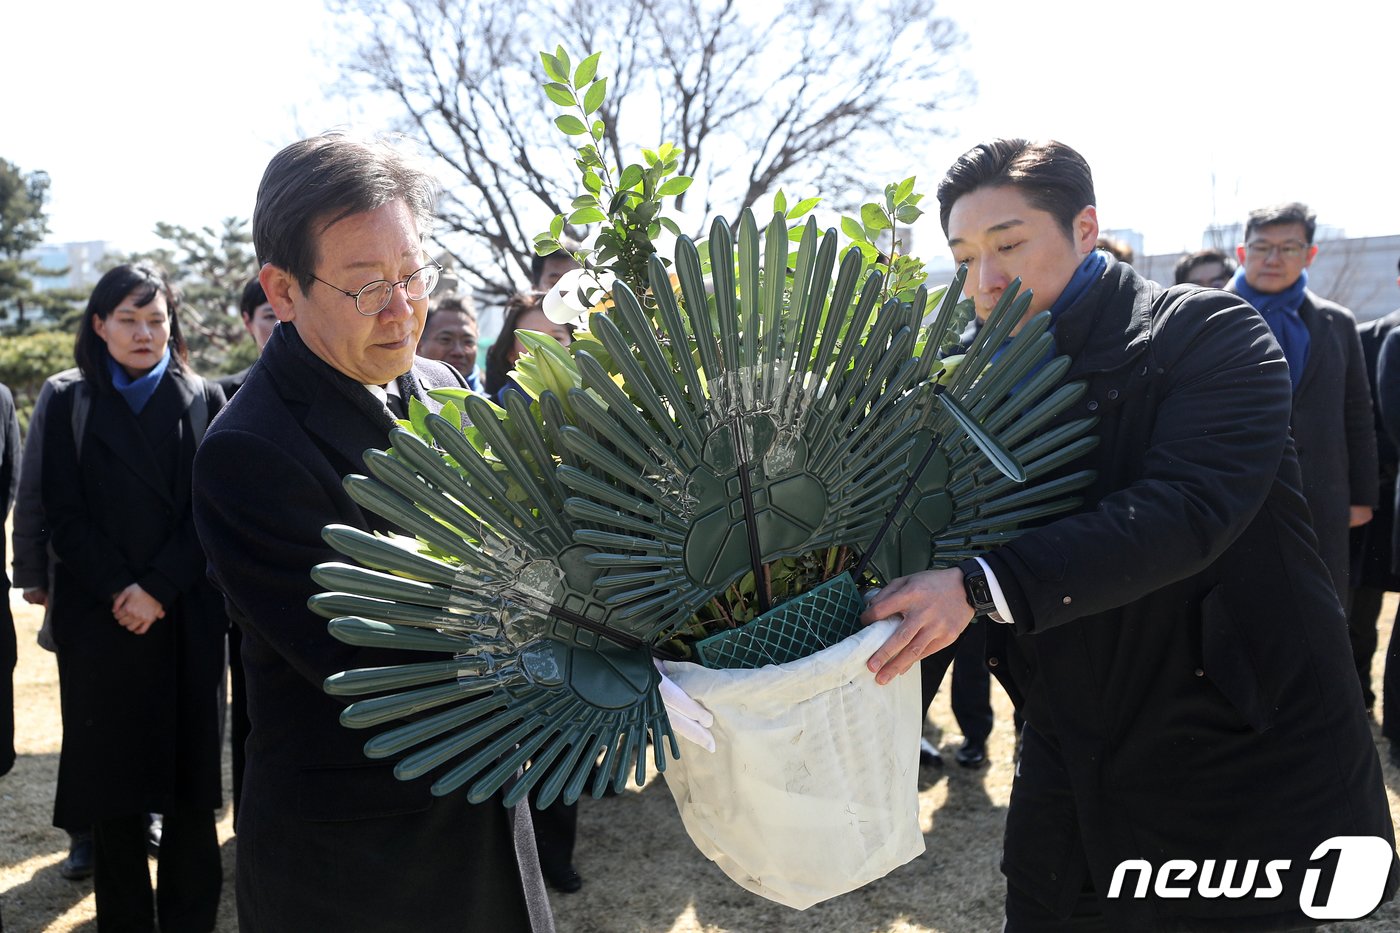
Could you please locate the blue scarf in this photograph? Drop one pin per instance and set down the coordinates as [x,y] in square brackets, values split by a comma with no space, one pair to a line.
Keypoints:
[1090,270]
[1280,312]
[138,391]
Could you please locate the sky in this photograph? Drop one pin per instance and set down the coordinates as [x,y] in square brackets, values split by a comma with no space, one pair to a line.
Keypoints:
[1189,112]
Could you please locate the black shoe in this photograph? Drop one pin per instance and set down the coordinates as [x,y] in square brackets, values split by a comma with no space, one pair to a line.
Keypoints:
[154,825]
[565,880]
[929,756]
[971,755]
[78,864]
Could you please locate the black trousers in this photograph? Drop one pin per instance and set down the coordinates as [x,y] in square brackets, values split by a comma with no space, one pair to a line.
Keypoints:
[190,874]
[972,682]
[1362,614]
[238,713]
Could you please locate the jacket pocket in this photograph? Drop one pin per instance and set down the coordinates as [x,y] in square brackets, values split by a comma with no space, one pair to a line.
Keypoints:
[1229,662]
[359,792]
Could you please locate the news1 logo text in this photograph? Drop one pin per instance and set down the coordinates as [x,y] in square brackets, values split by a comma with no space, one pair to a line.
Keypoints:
[1348,885]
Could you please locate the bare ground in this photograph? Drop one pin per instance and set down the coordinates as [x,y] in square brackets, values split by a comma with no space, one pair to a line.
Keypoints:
[642,873]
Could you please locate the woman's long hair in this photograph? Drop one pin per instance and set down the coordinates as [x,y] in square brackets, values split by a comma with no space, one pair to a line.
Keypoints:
[144,281]
[498,356]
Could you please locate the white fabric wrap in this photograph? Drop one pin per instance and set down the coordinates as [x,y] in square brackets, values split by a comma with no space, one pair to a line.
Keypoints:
[812,790]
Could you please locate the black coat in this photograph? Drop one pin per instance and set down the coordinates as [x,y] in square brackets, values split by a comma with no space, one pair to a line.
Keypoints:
[1178,639]
[140,712]
[328,839]
[1372,554]
[9,481]
[1334,431]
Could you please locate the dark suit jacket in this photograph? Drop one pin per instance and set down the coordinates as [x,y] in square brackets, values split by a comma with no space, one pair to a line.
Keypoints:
[9,480]
[1371,544]
[140,712]
[328,839]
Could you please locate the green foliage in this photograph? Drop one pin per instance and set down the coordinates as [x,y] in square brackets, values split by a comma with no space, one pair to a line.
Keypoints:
[628,200]
[880,220]
[27,360]
[23,226]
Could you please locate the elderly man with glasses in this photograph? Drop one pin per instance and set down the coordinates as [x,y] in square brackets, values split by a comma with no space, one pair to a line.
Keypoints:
[328,839]
[1333,425]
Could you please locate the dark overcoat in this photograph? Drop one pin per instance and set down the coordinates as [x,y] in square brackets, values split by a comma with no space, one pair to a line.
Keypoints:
[327,838]
[1334,431]
[1372,553]
[140,712]
[1177,641]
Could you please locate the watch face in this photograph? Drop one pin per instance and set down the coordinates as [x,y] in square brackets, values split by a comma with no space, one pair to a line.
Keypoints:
[981,592]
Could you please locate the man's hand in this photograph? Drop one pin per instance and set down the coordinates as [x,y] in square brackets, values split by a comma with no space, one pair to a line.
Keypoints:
[136,610]
[36,596]
[1361,514]
[935,609]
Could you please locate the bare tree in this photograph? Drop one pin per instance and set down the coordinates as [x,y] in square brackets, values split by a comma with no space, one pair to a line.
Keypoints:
[807,93]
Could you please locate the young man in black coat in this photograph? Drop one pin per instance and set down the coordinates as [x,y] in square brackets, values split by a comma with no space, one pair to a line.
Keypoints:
[328,839]
[1175,646]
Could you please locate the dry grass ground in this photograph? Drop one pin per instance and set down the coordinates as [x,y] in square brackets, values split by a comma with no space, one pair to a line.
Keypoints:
[643,875]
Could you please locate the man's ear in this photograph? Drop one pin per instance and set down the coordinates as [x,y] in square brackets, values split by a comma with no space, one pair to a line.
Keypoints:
[1239,252]
[1312,254]
[281,289]
[1086,230]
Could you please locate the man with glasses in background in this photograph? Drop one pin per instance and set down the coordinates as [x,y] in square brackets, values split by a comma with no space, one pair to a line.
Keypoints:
[1333,425]
[328,839]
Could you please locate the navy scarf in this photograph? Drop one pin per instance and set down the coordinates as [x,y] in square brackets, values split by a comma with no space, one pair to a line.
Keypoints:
[1280,312]
[1090,270]
[138,391]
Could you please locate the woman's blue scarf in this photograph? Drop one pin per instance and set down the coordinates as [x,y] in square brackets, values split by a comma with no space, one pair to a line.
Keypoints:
[138,391]
[1280,312]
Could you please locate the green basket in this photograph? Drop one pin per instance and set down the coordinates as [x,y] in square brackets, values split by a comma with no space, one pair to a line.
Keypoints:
[799,627]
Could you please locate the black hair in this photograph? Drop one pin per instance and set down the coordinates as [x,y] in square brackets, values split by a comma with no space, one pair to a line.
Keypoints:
[143,281]
[497,362]
[1293,212]
[313,183]
[253,298]
[1187,264]
[1052,176]
[457,303]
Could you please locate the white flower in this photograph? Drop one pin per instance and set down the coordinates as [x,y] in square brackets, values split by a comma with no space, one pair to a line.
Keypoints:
[576,293]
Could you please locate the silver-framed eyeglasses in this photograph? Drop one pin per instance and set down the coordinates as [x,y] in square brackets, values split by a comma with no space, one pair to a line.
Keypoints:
[1289,251]
[375,297]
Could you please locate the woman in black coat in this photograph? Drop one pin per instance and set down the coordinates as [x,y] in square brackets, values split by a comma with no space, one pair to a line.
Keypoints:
[138,627]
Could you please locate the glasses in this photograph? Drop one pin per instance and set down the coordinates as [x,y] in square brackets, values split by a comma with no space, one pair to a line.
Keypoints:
[375,296]
[1288,251]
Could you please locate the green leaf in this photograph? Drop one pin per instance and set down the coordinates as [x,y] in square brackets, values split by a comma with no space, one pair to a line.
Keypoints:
[556,226]
[570,124]
[563,58]
[673,186]
[852,228]
[595,95]
[592,181]
[585,200]
[803,208]
[559,93]
[586,69]
[631,177]
[452,413]
[905,188]
[587,215]
[598,129]
[874,218]
[671,225]
[418,417]
[780,202]
[907,213]
[552,68]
